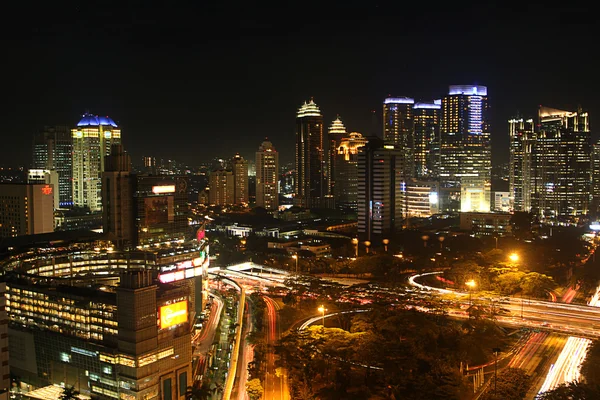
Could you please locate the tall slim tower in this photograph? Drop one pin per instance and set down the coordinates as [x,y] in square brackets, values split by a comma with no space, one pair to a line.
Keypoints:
[267,174]
[337,131]
[521,169]
[563,164]
[398,130]
[310,177]
[426,117]
[222,188]
[240,177]
[465,149]
[52,150]
[346,170]
[595,209]
[92,140]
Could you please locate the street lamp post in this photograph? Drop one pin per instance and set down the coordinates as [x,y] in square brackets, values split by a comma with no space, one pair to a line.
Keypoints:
[495,350]
[441,239]
[355,243]
[514,257]
[425,239]
[385,244]
[322,310]
[367,245]
[471,284]
[295,257]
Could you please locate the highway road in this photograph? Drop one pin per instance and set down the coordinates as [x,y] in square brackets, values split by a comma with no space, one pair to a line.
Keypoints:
[276,385]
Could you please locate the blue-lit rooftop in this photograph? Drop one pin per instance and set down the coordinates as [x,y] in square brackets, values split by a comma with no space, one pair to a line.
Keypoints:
[94,120]
[399,100]
[472,90]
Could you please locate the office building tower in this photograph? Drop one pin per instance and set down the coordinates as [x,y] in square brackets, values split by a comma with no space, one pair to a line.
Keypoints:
[426,122]
[380,190]
[421,199]
[48,177]
[150,164]
[398,129]
[337,131]
[221,184]
[5,385]
[465,149]
[118,220]
[563,164]
[267,176]
[92,140]
[595,208]
[239,167]
[346,170]
[26,209]
[52,150]
[521,168]
[310,177]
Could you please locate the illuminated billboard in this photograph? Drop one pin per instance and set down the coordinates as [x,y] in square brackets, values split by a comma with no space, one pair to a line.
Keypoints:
[163,189]
[173,314]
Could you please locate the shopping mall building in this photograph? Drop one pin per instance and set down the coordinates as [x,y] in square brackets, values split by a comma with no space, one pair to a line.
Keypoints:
[114,324]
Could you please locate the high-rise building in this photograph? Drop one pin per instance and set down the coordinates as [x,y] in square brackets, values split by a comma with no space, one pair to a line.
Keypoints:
[380,190]
[465,149]
[310,177]
[48,177]
[426,121]
[595,209]
[346,170]
[337,131]
[239,167]
[117,198]
[92,140]
[521,170]
[222,188]
[398,129]
[563,164]
[267,176]
[4,354]
[52,150]
[26,209]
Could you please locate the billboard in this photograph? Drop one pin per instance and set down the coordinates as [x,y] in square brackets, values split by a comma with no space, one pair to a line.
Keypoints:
[159,210]
[173,314]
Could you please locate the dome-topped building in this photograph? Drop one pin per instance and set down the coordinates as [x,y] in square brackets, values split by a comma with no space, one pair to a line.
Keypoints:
[92,139]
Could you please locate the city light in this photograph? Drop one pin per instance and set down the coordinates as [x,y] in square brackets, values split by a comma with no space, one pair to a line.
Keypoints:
[514,257]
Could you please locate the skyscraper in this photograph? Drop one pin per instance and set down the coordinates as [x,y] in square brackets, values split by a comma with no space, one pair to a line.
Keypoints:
[465,149]
[346,170]
[267,176]
[92,140]
[222,187]
[26,209]
[426,121]
[521,170]
[337,131]
[310,178]
[240,176]
[398,129]
[595,208]
[380,190]
[563,163]
[52,150]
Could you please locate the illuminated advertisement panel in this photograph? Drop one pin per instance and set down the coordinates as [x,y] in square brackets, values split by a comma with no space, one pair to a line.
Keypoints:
[163,189]
[159,210]
[173,314]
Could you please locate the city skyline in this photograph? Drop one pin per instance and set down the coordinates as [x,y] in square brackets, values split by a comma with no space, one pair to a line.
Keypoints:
[168,74]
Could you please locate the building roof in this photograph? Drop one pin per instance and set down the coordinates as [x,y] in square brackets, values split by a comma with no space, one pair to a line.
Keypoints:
[94,120]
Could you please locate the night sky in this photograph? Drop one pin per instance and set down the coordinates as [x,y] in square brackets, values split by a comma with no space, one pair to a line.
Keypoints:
[192,81]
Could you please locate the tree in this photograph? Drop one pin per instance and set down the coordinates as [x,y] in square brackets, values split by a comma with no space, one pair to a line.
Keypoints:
[512,384]
[508,283]
[254,389]
[198,393]
[572,391]
[69,393]
[537,285]
[589,368]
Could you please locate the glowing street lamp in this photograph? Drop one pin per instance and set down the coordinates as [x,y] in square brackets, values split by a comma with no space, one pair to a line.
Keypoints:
[367,245]
[295,257]
[425,239]
[385,244]
[322,310]
[355,243]
[514,257]
[471,284]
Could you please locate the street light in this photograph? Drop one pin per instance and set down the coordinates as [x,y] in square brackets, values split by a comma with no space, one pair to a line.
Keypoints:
[367,245]
[441,239]
[295,257]
[425,239]
[322,310]
[385,244]
[514,257]
[355,243]
[471,284]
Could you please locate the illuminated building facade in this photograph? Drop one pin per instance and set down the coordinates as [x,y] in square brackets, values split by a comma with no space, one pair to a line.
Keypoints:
[465,149]
[563,165]
[26,209]
[222,187]
[310,175]
[115,325]
[48,177]
[92,140]
[239,167]
[5,383]
[521,169]
[380,190]
[346,170]
[337,131]
[426,122]
[398,130]
[52,150]
[421,199]
[595,179]
[267,176]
